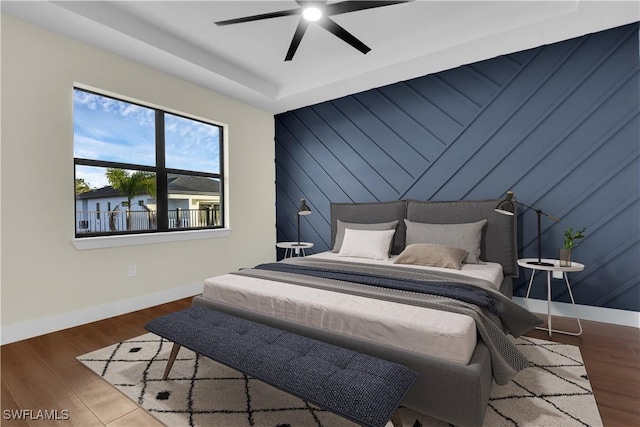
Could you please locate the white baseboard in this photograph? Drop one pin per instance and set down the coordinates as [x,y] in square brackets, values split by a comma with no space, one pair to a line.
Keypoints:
[45,325]
[585,312]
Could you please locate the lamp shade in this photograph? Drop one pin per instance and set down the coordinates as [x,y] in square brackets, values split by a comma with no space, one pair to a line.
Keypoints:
[303,209]
[506,206]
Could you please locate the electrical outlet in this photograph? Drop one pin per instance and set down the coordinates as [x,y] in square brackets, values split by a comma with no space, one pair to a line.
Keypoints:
[557,275]
[133,270]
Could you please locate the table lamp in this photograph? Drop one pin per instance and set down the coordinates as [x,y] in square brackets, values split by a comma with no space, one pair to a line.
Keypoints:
[302,210]
[507,207]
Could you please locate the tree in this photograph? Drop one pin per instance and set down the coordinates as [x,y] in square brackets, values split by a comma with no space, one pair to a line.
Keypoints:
[82,186]
[131,185]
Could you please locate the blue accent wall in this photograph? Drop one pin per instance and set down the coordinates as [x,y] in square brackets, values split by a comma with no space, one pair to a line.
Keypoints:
[558,125]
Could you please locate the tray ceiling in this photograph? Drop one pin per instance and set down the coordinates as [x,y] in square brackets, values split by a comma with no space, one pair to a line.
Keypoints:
[246,61]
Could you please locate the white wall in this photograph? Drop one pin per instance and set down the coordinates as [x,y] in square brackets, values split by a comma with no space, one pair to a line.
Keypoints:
[43,276]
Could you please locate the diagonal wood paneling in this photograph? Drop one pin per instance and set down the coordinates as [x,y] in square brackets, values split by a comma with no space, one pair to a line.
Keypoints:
[558,124]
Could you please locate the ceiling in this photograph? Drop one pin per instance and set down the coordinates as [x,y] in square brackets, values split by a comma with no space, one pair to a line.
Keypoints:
[246,61]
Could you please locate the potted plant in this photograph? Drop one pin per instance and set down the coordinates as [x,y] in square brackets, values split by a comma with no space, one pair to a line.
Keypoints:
[570,237]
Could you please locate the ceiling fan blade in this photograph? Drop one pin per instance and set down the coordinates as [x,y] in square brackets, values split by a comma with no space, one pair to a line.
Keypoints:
[343,34]
[352,6]
[317,3]
[297,38]
[278,14]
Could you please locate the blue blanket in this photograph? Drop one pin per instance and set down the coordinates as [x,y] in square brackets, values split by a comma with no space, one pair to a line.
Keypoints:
[459,291]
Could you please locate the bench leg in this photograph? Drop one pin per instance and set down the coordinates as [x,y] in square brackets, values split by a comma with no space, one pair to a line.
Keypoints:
[395,418]
[172,358]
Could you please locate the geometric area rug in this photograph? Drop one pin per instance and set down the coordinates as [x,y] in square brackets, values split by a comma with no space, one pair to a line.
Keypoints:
[200,392]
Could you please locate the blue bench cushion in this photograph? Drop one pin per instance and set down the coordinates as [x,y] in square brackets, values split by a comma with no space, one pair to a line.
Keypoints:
[354,385]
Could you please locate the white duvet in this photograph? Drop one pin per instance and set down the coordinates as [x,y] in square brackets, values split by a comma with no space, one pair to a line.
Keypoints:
[440,334]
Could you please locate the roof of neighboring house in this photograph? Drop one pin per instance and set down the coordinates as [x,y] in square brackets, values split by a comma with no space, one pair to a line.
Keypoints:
[99,193]
[177,184]
[184,184]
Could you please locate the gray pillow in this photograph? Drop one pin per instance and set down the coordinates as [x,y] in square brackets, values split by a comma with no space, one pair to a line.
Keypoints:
[464,236]
[341,226]
[499,237]
[432,255]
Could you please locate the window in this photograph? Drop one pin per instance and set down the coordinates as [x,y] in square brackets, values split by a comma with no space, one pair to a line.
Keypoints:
[154,170]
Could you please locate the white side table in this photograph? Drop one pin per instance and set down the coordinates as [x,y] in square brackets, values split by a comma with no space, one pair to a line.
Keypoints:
[293,249]
[575,266]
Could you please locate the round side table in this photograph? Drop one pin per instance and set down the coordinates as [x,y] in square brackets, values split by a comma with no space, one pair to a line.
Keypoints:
[574,267]
[293,248]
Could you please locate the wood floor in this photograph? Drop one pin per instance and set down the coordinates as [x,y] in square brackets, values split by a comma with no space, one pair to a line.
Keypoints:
[42,373]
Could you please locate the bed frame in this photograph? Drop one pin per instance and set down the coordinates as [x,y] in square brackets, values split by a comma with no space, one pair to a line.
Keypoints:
[451,392]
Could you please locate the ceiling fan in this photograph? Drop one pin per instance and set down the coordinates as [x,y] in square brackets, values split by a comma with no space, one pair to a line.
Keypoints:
[318,12]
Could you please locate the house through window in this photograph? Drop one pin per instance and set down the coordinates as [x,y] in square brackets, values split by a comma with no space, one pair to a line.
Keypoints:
[154,170]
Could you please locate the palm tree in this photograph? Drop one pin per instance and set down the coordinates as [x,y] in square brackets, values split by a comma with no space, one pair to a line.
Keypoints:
[82,186]
[131,185]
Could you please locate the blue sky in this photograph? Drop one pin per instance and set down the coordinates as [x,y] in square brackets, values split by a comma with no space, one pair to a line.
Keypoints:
[108,129]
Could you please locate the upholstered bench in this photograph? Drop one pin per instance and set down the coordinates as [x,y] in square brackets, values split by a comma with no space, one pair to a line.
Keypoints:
[354,385]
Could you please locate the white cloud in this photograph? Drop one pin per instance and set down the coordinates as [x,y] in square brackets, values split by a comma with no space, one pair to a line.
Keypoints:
[93,176]
[109,129]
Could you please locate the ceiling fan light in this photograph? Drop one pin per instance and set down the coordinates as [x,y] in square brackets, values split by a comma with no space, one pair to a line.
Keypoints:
[312,14]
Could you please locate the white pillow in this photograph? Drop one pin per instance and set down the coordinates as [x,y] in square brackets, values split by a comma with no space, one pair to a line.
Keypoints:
[373,244]
[341,226]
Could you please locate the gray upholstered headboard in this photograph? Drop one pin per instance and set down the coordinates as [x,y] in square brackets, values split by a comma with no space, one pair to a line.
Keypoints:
[499,237]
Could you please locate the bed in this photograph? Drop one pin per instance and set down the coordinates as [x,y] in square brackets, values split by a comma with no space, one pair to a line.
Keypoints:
[454,336]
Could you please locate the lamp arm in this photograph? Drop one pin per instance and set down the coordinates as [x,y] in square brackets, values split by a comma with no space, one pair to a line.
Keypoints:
[554,218]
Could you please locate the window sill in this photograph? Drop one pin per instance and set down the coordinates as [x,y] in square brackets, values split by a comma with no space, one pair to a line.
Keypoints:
[100,242]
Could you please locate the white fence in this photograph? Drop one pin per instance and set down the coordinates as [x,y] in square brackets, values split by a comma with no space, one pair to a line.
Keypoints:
[121,220]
